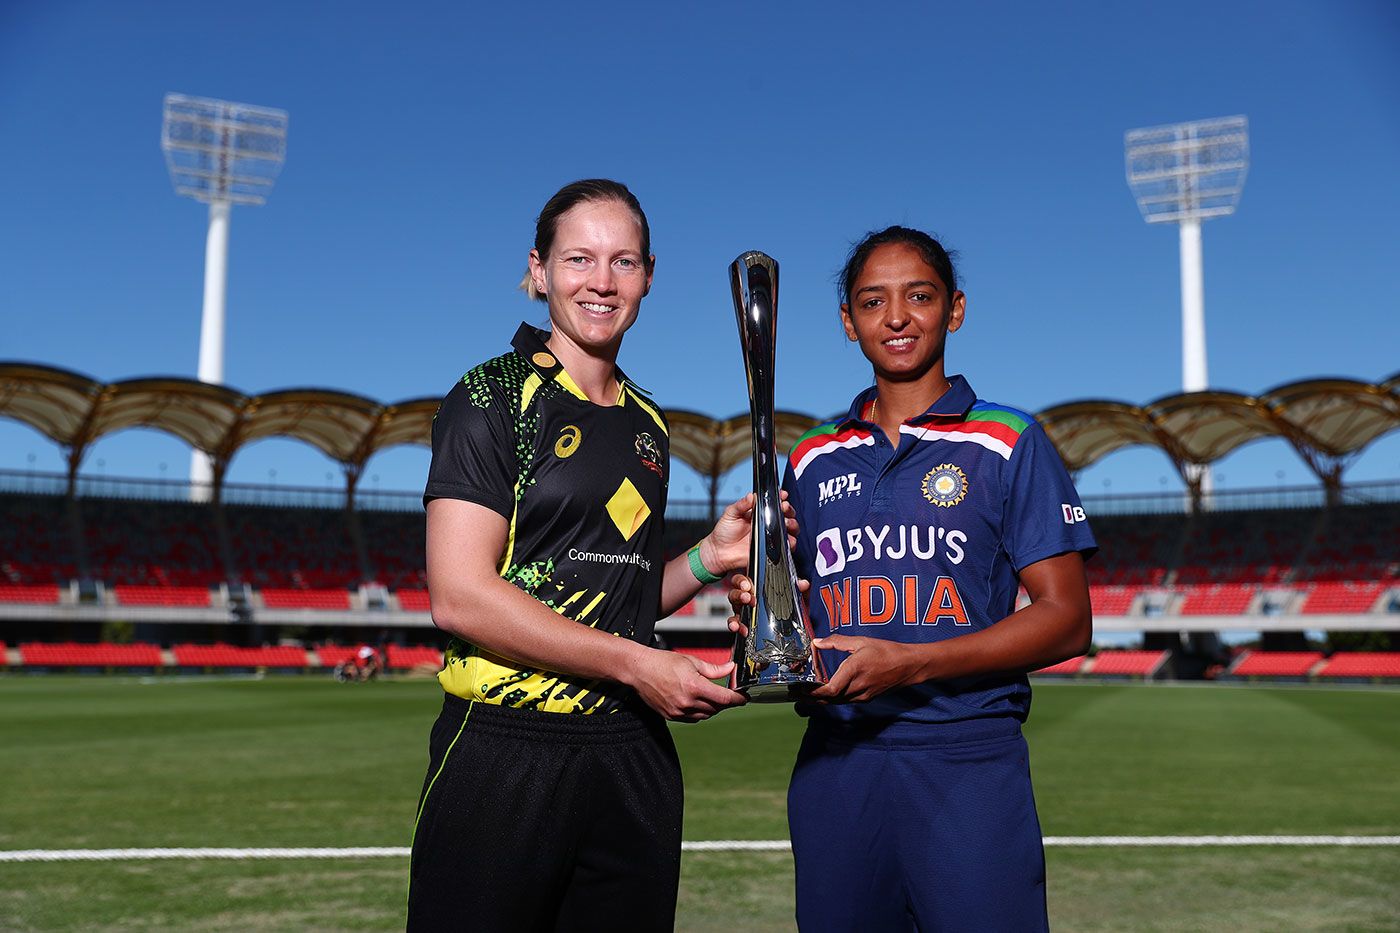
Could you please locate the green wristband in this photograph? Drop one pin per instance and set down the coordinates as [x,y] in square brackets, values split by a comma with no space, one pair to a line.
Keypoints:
[697,567]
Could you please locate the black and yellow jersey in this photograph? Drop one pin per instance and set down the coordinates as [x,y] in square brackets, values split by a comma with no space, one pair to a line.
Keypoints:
[584,489]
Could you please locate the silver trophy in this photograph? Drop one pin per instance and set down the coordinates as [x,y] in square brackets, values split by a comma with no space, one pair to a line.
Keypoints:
[774,662]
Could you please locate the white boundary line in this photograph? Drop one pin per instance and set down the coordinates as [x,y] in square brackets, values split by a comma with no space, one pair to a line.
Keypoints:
[718,845]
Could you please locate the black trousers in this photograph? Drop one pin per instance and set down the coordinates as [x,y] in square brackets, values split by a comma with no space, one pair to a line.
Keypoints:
[546,821]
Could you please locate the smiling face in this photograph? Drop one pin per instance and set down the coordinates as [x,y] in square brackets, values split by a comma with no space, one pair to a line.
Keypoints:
[594,277]
[900,312]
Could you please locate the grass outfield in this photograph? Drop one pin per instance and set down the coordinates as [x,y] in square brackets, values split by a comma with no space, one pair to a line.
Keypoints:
[294,761]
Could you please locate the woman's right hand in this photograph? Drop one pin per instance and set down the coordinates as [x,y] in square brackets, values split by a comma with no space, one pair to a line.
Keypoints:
[678,686]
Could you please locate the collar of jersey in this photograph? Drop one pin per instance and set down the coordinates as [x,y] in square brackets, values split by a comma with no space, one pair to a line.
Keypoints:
[952,405]
[529,342]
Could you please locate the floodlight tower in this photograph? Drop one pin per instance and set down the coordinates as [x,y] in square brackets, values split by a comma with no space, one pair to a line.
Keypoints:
[1183,174]
[223,154]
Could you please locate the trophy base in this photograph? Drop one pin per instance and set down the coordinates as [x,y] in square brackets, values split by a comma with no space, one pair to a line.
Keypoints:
[779,692]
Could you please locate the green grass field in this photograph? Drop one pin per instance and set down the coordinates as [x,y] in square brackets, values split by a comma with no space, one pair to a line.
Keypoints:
[291,761]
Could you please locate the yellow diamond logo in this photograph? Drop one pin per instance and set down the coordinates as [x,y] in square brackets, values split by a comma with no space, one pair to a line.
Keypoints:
[628,509]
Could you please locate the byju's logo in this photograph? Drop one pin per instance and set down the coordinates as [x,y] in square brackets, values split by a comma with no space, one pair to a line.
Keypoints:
[831,556]
[838,487]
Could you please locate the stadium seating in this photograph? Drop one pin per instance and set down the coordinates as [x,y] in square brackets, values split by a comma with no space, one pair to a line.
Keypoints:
[1128,663]
[71,654]
[279,598]
[1341,596]
[710,655]
[1216,599]
[1276,663]
[36,546]
[232,656]
[140,595]
[1112,600]
[1370,664]
[39,593]
[331,655]
[394,542]
[151,544]
[283,548]
[1072,666]
[407,657]
[413,600]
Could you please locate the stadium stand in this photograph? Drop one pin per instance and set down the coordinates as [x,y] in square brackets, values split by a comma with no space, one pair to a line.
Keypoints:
[282,598]
[220,655]
[1276,663]
[331,655]
[1367,664]
[407,657]
[1111,600]
[394,543]
[1128,663]
[36,593]
[129,542]
[710,655]
[36,546]
[1216,599]
[283,548]
[1341,596]
[1072,666]
[1134,552]
[141,595]
[413,600]
[70,654]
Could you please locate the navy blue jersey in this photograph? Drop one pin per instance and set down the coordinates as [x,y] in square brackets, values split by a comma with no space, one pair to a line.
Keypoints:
[927,542]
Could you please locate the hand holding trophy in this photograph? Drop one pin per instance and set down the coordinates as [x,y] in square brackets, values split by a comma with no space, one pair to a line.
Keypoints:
[774,661]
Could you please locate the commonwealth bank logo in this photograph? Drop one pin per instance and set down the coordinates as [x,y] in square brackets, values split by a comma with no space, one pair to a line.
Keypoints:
[628,510]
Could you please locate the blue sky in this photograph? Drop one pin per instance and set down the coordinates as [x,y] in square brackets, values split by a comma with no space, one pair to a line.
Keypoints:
[424,138]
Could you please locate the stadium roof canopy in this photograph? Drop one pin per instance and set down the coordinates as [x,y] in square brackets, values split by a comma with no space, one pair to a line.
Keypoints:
[1327,421]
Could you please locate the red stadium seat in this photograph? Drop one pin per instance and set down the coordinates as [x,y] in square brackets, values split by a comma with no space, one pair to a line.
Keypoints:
[72,654]
[331,655]
[1276,663]
[28,593]
[413,600]
[1217,599]
[138,595]
[1112,600]
[406,657]
[1332,597]
[1362,664]
[1128,663]
[306,599]
[710,655]
[1072,666]
[227,656]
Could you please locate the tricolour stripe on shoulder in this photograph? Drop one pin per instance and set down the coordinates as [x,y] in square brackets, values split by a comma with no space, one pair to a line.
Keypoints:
[824,439]
[992,427]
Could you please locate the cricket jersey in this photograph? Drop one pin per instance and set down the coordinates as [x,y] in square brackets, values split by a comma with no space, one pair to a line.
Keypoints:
[926,542]
[583,487]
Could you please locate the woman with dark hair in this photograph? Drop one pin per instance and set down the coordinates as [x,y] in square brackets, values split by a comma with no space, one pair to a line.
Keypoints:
[910,805]
[553,794]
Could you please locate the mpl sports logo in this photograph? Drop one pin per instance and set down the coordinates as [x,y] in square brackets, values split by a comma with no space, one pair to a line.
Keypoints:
[838,487]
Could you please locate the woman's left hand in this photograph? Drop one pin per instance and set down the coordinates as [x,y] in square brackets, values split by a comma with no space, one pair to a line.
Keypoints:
[873,666]
[726,548]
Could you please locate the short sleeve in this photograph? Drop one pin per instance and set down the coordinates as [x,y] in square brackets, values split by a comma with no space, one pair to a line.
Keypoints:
[473,448]
[1043,515]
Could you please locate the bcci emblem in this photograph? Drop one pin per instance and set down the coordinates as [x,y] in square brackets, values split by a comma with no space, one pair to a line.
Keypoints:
[649,452]
[945,485]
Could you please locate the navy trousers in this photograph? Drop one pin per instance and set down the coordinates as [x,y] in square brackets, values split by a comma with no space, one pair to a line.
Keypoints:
[914,826]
